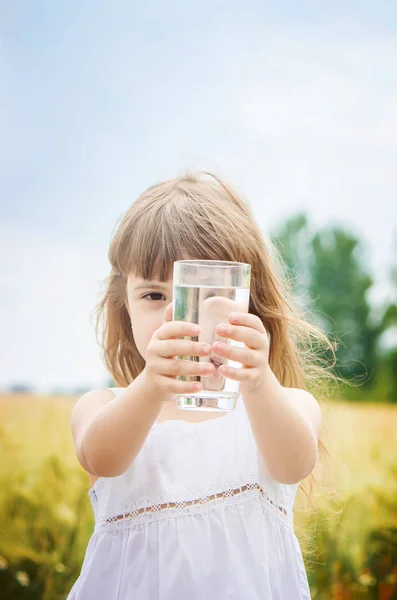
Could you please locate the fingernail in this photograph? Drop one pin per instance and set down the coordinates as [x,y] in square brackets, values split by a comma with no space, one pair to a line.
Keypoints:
[205,348]
[222,328]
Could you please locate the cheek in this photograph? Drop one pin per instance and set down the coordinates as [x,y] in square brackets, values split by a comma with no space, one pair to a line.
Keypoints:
[143,328]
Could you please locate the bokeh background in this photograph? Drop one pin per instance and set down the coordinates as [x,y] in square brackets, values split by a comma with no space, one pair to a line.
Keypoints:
[294,103]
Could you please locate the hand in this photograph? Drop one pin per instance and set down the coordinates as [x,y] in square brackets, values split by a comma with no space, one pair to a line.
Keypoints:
[162,367]
[254,357]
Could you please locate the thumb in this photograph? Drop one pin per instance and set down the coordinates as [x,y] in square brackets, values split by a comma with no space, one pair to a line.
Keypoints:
[167,316]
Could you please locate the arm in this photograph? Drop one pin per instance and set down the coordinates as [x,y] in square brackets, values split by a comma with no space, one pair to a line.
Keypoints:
[286,424]
[109,435]
[285,421]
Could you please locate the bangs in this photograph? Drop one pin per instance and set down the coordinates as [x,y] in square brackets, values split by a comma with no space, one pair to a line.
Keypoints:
[152,255]
[161,235]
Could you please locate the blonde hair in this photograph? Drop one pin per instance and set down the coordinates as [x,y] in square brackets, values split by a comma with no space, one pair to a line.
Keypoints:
[199,216]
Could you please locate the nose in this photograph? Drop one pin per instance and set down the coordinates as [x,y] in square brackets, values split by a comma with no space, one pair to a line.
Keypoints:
[167,314]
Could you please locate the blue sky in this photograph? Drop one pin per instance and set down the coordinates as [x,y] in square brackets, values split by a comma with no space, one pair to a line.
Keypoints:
[296,103]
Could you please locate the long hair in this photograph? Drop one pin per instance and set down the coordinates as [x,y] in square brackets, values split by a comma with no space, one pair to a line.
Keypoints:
[199,216]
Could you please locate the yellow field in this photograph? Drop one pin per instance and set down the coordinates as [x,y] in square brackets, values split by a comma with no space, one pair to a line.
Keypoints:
[356,492]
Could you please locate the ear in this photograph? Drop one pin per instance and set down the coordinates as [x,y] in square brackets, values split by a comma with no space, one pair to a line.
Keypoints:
[167,313]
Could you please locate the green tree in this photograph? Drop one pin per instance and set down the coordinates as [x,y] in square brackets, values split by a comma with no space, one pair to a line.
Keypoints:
[328,275]
[292,239]
[388,328]
[339,285]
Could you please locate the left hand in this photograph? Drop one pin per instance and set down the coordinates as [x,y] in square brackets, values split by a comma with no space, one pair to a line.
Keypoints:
[254,357]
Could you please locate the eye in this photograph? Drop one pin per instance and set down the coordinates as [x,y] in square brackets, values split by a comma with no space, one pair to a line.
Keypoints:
[154,294]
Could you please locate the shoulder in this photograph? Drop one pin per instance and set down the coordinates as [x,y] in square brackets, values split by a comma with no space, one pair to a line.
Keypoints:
[92,400]
[307,406]
[84,410]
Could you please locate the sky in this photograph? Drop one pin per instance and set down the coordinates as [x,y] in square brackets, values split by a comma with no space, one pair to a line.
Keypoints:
[294,103]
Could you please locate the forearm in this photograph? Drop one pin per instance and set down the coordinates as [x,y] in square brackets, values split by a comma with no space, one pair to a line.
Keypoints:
[285,440]
[118,431]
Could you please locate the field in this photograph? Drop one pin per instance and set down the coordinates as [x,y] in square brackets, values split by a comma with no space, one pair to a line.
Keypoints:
[349,541]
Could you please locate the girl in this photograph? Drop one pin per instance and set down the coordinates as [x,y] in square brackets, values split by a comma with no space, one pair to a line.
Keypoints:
[192,505]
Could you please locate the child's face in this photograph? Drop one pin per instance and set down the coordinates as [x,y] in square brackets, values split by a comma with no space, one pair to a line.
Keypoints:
[146,304]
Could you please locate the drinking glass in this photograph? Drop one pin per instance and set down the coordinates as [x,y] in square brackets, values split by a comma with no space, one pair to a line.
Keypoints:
[206,292]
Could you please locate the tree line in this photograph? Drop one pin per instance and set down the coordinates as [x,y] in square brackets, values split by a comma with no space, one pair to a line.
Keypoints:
[329,275]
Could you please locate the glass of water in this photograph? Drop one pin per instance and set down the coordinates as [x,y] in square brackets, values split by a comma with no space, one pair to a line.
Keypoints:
[206,292]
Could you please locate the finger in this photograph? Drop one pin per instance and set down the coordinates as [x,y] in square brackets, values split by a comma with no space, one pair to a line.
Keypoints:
[245,356]
[170,348]
[250,337]
[217,308]
[176,367]
[248,320]
[242,375]
[167,316]
[177,329]
[177,387]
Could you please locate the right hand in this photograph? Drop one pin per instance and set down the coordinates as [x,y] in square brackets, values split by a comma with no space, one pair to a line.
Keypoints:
[162,365]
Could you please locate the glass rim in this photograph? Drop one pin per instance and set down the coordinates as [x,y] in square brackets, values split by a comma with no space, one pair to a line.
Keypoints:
[213,263]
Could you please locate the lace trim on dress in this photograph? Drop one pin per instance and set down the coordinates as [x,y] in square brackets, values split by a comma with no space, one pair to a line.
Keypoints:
[135,513]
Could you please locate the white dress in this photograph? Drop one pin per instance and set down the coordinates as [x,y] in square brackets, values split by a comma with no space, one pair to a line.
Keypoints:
[195,517]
